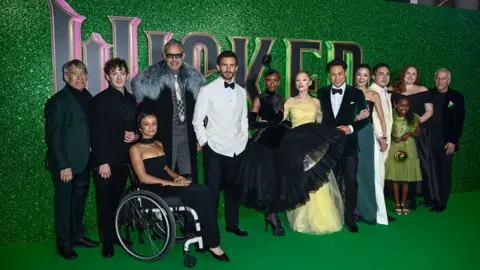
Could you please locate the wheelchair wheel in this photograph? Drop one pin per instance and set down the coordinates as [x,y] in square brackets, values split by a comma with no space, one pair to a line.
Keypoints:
[139,216]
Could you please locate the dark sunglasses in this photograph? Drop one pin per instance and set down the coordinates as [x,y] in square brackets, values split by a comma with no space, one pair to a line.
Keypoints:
[176,55]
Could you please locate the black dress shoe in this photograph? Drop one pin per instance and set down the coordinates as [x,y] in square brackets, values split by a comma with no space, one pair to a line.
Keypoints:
[237,231]
[438,209]
[107,250]
[85,242]
[391,219]
[67,254]
[352,227]
[223,257]
[427,204]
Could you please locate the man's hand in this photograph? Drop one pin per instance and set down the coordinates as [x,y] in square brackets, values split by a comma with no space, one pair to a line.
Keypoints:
[449,148]
[105,171]
[383,144]
[345,129]
[66,175]
[130,136]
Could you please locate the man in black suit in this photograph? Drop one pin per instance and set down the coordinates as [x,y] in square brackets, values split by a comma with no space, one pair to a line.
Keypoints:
[447,126]
[341,103]
[67,136]
[112,116]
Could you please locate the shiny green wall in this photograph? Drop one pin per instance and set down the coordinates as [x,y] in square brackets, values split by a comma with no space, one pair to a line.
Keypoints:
[395,33]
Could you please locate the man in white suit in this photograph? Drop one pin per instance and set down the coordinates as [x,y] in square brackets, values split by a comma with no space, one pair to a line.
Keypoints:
[381,78]
[224,104]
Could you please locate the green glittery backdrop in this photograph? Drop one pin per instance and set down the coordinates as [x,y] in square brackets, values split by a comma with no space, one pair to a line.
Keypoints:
[389,32]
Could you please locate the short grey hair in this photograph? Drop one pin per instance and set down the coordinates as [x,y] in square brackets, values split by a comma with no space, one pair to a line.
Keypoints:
[172,42]
[74,63]
[449,75]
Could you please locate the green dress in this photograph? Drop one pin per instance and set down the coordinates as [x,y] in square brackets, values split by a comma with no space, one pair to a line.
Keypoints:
[409,169]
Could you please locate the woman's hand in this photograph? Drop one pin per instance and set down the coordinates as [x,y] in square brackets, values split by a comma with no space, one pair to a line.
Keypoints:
[396,139]
[181,181]
[405,136]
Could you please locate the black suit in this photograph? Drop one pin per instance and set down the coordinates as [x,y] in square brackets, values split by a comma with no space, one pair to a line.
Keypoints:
[447,126]
[352,103]
[67,136]
[111,114]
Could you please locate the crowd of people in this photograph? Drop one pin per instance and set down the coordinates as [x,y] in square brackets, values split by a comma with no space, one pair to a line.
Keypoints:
[326,159]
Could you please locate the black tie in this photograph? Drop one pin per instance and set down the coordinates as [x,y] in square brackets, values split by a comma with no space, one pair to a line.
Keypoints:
[337,91]
[231,85]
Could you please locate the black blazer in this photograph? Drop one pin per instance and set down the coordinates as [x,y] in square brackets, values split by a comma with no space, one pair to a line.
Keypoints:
[110,117]
[453,114]
[67,132]
[352,103]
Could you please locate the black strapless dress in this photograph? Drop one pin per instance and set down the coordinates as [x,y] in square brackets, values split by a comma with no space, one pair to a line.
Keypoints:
[195,196]
[281,165]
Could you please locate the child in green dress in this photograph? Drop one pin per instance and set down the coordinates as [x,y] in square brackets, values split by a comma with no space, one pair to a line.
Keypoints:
[402,165]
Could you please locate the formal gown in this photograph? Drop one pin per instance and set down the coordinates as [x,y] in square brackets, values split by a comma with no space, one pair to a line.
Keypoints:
[275,179]
[407,170]
[324,211]
[367,205]
[196,196]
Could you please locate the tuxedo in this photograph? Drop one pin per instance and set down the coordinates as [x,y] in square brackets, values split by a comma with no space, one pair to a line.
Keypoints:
[67,135]
[446,125]
[111,114]
[224,137]
[338,111]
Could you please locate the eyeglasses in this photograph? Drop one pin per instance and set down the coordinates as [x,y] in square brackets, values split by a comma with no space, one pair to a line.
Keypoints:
[383,74]
[172,55]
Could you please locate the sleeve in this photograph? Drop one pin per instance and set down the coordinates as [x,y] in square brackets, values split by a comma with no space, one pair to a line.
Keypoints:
[99,131]
[244,124]
[459,119]
[54,120]
[199,115]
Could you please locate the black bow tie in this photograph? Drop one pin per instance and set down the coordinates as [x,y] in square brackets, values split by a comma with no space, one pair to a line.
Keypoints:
[337,91]
[231,85]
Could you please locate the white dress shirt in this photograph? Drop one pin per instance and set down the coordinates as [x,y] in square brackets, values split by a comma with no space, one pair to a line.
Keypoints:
[226,110]
[337,100]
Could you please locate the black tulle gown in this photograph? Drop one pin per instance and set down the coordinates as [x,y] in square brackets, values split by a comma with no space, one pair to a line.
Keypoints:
[282,165]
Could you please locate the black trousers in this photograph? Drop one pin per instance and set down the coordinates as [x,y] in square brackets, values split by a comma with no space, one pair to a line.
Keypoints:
[108,194]
[198,197]
[443,164]
[69,207]
[346,175]
[216,168]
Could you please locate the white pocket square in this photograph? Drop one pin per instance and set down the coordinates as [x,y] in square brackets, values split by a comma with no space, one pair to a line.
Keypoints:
[351,102]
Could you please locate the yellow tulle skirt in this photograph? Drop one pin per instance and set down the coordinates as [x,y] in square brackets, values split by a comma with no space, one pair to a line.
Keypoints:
[322,214]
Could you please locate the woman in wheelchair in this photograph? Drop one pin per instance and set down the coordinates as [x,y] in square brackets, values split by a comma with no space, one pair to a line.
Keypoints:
[149,163]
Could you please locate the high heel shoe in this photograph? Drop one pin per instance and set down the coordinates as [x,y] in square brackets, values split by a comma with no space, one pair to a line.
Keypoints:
[277,228]
[223,257]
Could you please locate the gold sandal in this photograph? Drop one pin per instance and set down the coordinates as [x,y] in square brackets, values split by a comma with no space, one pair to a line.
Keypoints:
[398,209]
[405,210]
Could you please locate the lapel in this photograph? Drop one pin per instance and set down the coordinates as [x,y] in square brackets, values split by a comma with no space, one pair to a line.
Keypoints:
[345,101]
[72,100]
[325,96]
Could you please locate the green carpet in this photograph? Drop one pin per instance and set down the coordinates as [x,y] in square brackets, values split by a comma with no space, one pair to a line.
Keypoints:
[421,240]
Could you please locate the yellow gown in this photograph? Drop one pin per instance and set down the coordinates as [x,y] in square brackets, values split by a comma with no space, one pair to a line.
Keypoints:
[324,212]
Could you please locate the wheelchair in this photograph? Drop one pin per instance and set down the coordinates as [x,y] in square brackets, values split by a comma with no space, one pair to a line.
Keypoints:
[154,221]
